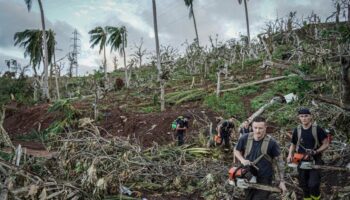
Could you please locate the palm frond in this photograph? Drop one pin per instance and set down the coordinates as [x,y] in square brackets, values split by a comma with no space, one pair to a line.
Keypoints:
[98,35]
[29,4]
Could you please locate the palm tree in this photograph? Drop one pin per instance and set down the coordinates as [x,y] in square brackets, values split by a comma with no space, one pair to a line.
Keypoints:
[246,18]
[31,40]
[159,67]
[98,36]
[45,87]
[189,4]
[118,41]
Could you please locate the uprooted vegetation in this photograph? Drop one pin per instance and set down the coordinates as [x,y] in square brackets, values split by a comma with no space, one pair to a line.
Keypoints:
[128,150]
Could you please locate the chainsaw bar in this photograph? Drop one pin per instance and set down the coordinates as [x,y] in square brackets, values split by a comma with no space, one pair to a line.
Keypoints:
[259,187]
[292,165]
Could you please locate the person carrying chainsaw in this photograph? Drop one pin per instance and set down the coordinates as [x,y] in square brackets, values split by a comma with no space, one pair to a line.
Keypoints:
[308,140]
[224,130]
[261,153]
[181,128]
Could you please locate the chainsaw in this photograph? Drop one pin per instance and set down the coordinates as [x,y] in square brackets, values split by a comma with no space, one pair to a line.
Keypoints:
[242,177]
[306,161]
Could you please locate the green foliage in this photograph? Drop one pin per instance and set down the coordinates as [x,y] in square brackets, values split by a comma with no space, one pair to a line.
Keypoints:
[283,115]
[293,84]
[277,54]
[148,109]
[20,88]
[32,136]
[6,156]
[229,103]
[262,99]
[252,63]
[304,68]
[184,96]
[65,107]
[69,119]
[248,90]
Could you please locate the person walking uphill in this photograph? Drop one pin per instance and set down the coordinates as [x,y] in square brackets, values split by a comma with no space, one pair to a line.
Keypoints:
[225,129]
[311,140]
[262,153]
[245,128]
[181,128]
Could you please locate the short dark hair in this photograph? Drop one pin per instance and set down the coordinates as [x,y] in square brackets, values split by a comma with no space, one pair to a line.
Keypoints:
[259,119]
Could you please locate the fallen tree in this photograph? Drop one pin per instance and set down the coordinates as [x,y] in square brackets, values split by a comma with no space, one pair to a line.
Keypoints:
[258,82]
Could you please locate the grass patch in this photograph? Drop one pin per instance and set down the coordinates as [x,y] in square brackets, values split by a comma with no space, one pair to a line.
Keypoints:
[261,100]
[248,90]
[229,104]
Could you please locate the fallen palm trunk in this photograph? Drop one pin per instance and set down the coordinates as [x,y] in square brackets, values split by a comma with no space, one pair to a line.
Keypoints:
[182,96]
[258,82]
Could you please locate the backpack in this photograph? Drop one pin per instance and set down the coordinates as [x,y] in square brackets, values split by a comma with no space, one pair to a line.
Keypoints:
[176,122]
[314,134]
[263,149]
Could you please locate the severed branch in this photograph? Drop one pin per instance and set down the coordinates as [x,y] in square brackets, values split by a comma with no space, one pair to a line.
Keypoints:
[334,102]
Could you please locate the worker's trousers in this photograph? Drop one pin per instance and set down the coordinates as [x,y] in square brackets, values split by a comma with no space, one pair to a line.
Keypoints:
[309,181]
[180,139]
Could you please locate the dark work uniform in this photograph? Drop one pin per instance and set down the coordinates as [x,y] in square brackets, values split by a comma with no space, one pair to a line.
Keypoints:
[309,179]
[265,172]
[225,132]
[181,133]
[243,131]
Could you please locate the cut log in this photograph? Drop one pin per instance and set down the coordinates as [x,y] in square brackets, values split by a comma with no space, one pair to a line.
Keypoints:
[258,82]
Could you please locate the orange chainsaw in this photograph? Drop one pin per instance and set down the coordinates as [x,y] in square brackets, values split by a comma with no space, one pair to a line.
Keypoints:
[242,177]
[305,161]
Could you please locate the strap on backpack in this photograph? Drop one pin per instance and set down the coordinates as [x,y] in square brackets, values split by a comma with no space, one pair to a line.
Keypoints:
[263,149]
[314,135]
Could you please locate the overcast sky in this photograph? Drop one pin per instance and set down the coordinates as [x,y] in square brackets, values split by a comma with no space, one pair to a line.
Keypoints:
[223,17]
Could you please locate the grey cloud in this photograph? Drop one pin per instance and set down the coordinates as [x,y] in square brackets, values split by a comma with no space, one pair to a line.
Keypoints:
[15,17]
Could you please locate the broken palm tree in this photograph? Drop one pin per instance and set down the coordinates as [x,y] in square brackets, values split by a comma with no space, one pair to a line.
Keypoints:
[258,82]
[4,137]
[184,96]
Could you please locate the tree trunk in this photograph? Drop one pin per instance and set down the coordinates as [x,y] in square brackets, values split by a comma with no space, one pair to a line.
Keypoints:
[104,67]
[195,25]
[267,49]
[247,21]
[345,80]
[162,95]
[349,12]
[126,69]
[218,84]
[45,86]
[56,81]
[159,67]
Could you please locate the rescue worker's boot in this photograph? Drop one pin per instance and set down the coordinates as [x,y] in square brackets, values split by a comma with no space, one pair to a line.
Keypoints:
[316,198]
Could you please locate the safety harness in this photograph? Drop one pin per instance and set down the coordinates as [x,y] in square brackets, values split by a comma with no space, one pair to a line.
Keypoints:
[263,149]
[314,134]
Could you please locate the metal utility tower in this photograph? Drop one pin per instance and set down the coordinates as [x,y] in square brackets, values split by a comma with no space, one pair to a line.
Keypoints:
[73,55]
